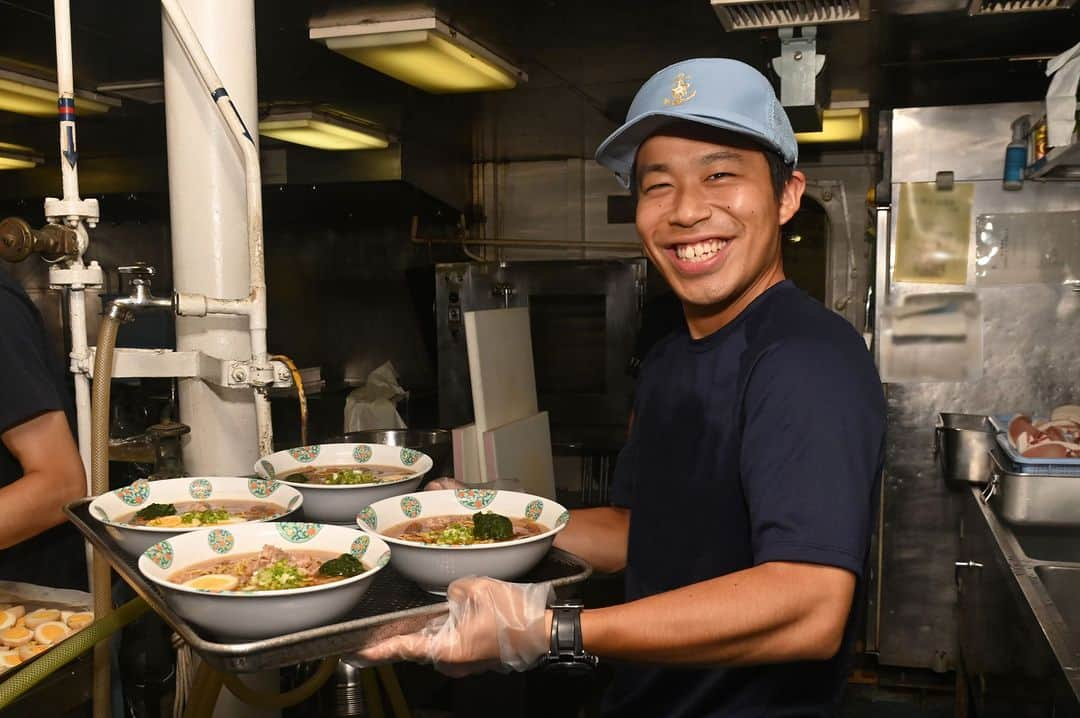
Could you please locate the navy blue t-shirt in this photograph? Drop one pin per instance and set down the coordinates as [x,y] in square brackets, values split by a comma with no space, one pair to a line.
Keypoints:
[761,442]
[33,383]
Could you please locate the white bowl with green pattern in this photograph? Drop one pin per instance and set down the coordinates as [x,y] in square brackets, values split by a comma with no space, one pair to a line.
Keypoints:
[434,566]
[340,504]
[115,508]
[245,615]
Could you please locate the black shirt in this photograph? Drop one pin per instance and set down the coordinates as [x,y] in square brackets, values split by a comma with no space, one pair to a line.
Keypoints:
[761,442]
[33,383]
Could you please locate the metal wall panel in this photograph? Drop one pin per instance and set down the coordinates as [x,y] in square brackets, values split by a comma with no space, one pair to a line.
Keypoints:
[1031,358]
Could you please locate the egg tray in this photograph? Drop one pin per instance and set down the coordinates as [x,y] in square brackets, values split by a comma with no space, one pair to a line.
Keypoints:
[390,599]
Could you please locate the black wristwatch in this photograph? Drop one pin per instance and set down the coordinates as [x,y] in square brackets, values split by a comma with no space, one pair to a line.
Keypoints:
[566,652]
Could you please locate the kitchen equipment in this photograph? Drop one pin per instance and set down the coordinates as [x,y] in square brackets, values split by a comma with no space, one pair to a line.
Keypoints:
[436,443]
[962,445]
[522,450]
[583,317]
[1022,498]
[390,598]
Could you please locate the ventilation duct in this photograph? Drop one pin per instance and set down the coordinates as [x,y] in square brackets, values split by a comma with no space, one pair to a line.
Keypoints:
[760,14]
[1000,7]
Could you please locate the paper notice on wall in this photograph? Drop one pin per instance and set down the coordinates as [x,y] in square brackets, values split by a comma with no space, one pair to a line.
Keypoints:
[1027,248]
[933,233]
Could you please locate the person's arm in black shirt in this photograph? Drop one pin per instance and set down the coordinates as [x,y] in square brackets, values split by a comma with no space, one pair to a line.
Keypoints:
[52,476]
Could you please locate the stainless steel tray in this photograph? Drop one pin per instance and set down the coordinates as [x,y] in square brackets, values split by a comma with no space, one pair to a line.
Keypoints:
[1031,499]
[390,598]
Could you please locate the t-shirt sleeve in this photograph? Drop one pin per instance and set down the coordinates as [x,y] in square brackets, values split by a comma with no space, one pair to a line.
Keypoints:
[28,388]
[622,487]
[813,429]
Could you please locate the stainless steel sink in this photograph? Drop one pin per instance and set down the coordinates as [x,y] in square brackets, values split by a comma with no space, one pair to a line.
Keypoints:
[1063,585]
[1053,545]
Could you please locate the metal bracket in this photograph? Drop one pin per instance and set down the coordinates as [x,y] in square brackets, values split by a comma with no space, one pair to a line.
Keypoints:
[88,276]
[164,363]
[798,66]
[70,211]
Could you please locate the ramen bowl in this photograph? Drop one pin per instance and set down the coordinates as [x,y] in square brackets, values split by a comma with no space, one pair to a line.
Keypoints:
[116,509]
[434,566]
[243,615]
[339,504]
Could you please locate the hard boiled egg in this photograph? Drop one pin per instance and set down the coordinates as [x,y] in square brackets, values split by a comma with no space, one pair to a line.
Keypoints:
[51,632]
[9,659]
[16,636]
[17,610]
[213,582]
[29,651]
[6,620]
[80,620]
[40,616]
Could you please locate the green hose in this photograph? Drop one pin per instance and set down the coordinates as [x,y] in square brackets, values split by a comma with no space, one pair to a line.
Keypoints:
[68,650]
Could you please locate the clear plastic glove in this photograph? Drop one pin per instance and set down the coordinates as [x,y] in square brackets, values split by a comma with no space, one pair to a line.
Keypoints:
[492,626]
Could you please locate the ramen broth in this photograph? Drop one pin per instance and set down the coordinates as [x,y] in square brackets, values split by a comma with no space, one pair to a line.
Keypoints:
[348,475]
[456,530]
[273,569]
[186,514]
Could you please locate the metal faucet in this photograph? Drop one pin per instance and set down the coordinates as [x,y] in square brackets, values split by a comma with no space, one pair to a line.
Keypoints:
[140,297]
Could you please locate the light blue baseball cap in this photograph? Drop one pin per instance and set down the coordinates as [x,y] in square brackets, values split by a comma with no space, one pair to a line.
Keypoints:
[716,92]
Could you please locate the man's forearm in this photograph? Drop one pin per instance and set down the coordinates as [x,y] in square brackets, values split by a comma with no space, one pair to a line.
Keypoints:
[31,505]
[772,613]
[599,536]
[52,476]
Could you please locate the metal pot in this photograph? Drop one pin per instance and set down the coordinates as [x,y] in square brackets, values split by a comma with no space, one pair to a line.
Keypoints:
[963,443]
[436,443]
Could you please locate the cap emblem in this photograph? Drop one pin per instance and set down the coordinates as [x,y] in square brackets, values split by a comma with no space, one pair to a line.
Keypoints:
[680,90]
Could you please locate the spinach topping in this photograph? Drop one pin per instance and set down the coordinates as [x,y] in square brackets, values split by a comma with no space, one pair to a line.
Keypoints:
[344,565]
[492,526]
[156,511]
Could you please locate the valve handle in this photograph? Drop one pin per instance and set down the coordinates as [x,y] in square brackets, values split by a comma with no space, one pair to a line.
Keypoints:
[137,270]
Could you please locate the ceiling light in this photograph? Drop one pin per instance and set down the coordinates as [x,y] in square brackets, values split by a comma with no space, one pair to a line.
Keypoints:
[423,52]
[837,125]
[29,95]
[321,130]
[17,157]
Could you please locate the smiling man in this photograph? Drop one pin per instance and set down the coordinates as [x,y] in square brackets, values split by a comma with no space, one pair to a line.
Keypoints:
[743,501]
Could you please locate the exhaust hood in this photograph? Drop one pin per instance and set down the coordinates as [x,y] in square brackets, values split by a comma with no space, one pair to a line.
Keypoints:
[761,14]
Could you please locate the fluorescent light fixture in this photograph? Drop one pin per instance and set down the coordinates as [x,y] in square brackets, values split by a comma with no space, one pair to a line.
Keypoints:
[321,130]
[423,52]
[17,157]
[29,95]
[837,125]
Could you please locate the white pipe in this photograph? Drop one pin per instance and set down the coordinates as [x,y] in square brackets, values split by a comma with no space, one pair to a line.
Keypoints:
[65,85]
[202,160]
[80,353]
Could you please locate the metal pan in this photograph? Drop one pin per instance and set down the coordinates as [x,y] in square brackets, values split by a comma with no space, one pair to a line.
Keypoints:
[962,444]
[391,598]
[1029,499]
[436,443]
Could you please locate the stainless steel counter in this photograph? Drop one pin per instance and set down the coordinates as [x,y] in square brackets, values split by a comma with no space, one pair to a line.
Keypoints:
[1019,598]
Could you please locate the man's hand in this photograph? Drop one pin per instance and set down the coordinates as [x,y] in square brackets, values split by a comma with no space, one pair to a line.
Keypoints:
[492,625]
